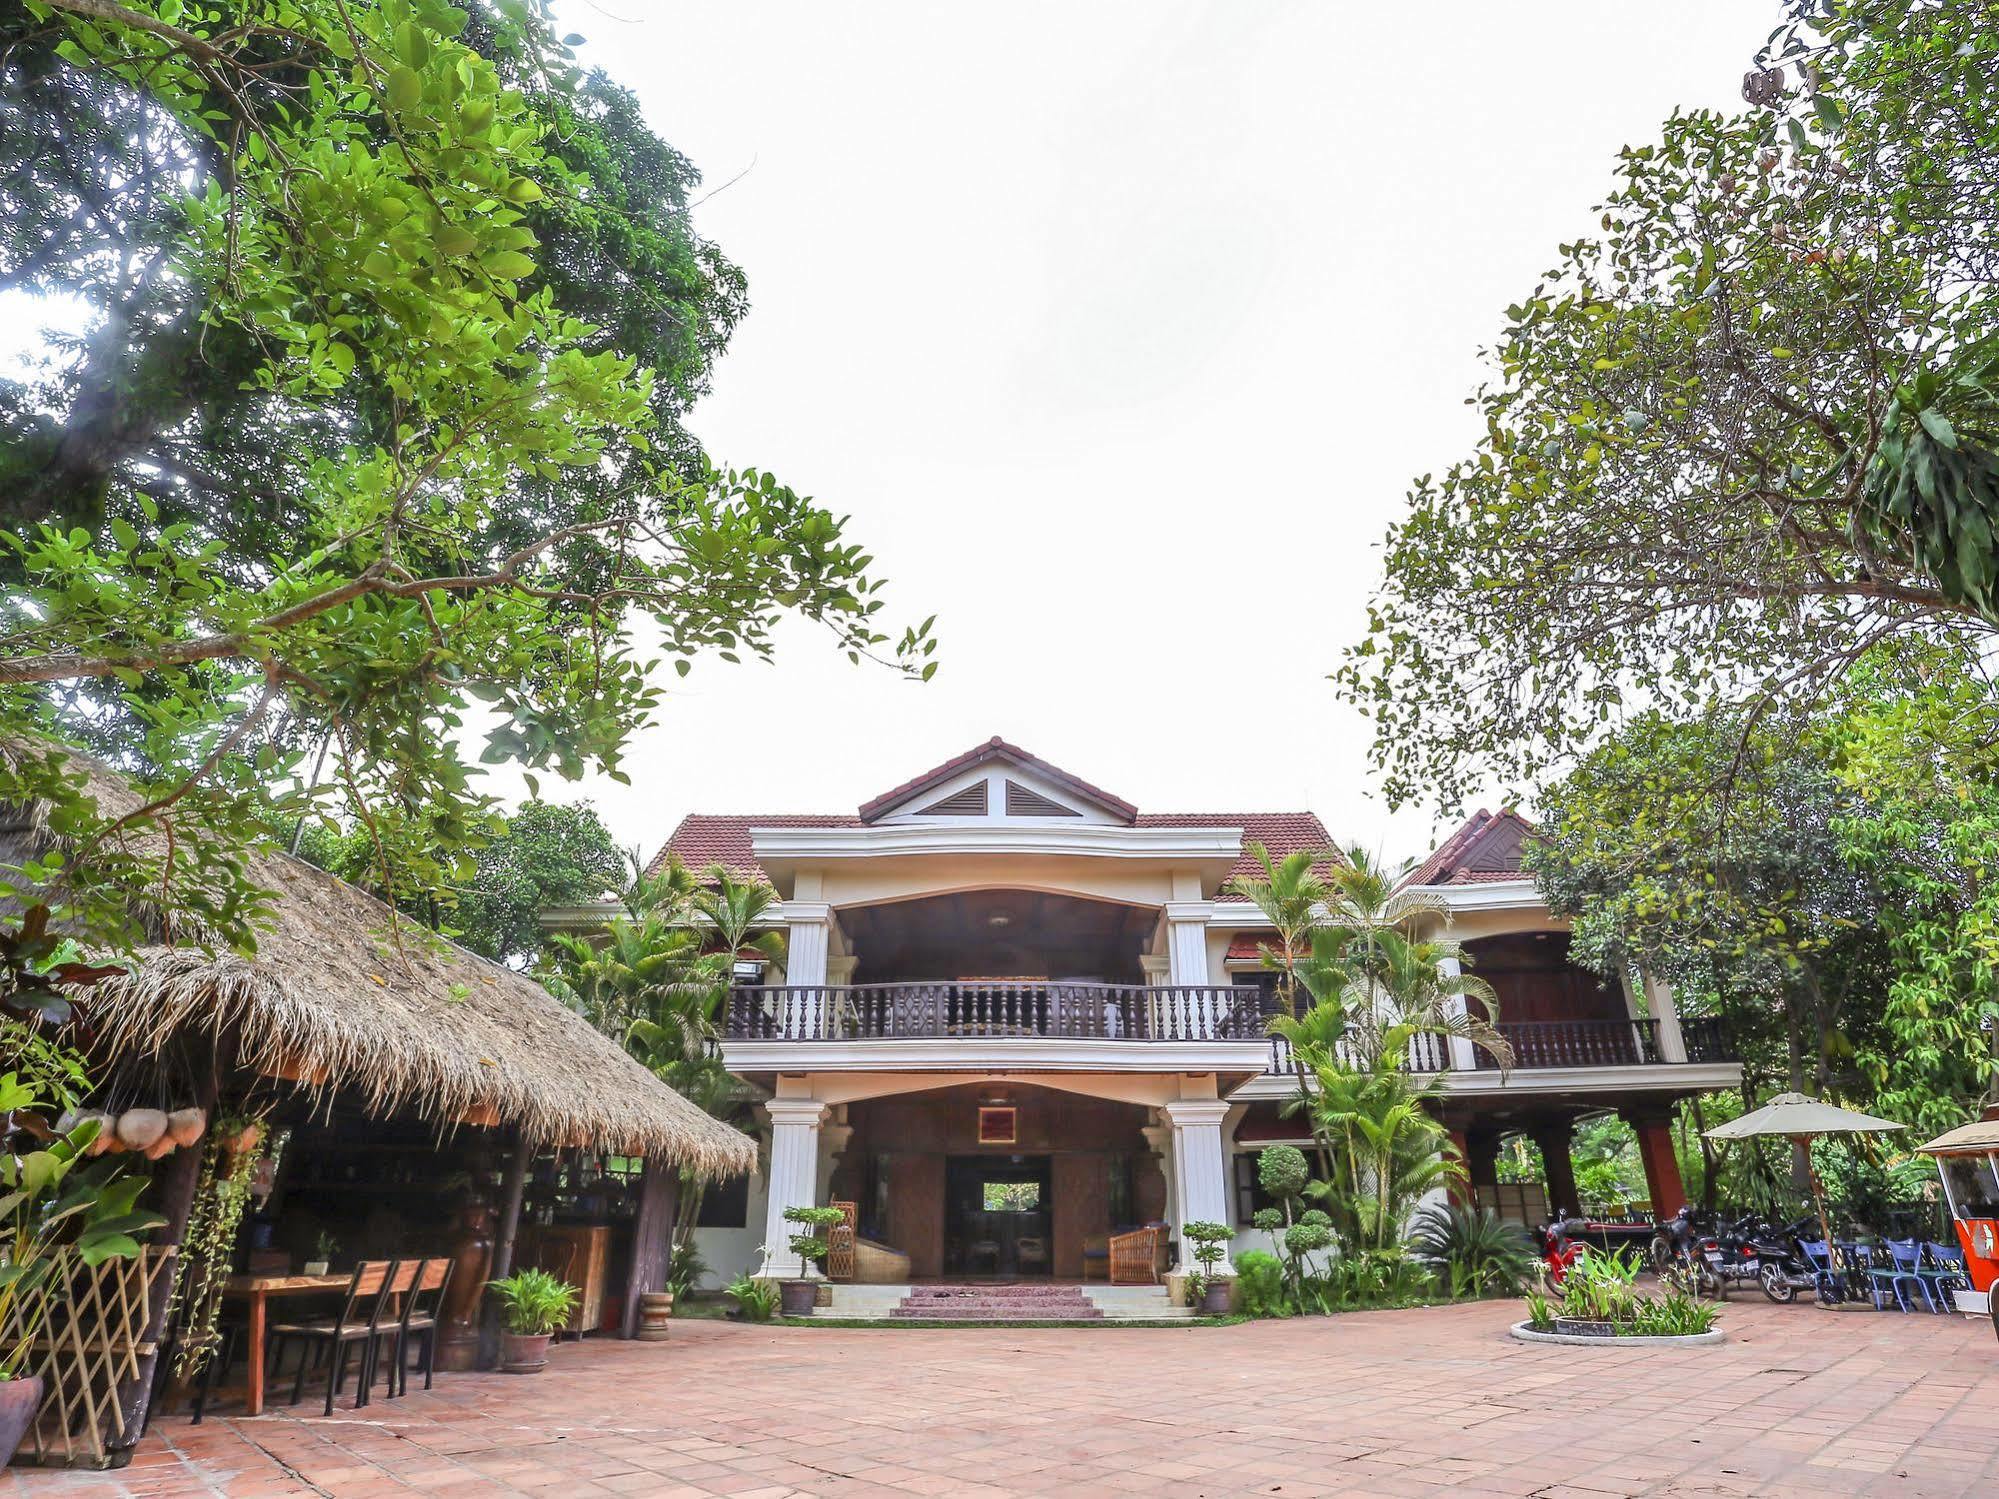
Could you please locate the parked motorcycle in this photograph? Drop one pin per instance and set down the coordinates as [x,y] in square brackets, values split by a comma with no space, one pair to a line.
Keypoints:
[1731,1257]
[1559,1250]
[1782,1269]
[1676,1255]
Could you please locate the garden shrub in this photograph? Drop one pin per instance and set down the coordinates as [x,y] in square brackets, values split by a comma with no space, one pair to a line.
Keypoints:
[1473,1250]
[1260,1282]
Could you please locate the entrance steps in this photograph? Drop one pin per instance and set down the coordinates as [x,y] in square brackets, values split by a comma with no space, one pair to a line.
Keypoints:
[996,1302]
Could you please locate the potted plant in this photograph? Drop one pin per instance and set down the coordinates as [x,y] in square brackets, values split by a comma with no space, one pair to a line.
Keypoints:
[811,1247]
[50,1207]
[1208,1291]
[533,1304]
[323,1249]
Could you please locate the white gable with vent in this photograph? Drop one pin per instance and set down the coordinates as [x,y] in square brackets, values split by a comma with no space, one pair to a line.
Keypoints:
[997,790]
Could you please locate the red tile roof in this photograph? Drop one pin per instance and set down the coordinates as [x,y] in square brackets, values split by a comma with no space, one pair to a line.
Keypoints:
[705,838]
[1280,832]
[996,748]
[1486,848]
[1247,947]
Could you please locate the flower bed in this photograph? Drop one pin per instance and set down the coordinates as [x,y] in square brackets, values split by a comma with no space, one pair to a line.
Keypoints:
[1599,1301]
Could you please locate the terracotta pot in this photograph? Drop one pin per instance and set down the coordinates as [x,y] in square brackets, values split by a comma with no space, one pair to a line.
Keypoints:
[1215,1299]
[18,1399]
[798,1297]
[524,1353]
[655,1316]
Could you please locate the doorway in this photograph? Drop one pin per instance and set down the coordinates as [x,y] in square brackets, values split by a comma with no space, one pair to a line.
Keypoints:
[998,1212]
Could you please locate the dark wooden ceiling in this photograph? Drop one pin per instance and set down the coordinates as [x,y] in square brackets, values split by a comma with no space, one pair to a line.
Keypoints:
[997,934]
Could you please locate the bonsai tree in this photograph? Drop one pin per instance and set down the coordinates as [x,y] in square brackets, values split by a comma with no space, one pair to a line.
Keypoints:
[813,1245]
[1208,1239]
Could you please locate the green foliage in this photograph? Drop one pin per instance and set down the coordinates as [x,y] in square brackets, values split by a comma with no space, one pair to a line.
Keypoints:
[208,1247]
[52,1205]
[813,1245]
[1540,1314]
[1672,1315]
[1281,1171]
[534,1302]
[1602,1287]
[548,856]
[756,1300]
[369,436]
[1260,1283]
[1472,1249]
[1721,449]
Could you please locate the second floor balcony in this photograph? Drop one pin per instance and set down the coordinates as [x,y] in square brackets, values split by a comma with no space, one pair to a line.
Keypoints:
[996,1009]
[972,1012]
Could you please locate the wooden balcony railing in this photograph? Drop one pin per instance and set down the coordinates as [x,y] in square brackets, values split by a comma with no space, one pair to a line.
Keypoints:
[1707,1040]
[1579,1043]
[1011,1008]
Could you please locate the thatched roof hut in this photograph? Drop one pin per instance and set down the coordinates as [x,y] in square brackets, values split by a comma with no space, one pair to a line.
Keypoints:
[412,1023]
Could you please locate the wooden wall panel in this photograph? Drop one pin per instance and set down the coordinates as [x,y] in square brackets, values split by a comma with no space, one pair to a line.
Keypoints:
[1082,1208]
[916,1211]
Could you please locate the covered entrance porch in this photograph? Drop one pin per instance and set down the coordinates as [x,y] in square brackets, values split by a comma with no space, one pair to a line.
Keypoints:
[998,1179]
[998,1176]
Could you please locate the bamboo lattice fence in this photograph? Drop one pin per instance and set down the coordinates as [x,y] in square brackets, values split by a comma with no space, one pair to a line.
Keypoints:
[90,1353]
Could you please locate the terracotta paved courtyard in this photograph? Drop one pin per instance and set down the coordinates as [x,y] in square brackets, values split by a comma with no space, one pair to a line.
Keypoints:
[1799,1402]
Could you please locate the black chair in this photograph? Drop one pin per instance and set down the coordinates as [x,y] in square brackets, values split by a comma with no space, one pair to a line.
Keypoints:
[422,1311]
[360,1328]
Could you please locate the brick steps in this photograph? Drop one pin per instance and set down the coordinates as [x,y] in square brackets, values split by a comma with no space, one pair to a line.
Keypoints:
[997,1303]
[1035,1301]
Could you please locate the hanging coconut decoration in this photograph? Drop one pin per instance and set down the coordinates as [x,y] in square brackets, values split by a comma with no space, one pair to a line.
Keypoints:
[186,1126]
[142,1129]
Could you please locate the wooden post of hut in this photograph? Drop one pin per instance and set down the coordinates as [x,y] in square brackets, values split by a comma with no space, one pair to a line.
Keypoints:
[652,1238]
[505,1238]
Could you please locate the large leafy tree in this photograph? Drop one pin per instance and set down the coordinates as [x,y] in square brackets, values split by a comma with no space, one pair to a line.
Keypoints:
[393,311]
[1741,431]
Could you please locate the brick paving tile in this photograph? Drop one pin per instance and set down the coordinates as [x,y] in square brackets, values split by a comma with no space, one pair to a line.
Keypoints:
[1436,1401]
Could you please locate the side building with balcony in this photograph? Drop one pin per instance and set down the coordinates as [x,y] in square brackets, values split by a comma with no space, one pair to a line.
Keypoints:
[1019,1015]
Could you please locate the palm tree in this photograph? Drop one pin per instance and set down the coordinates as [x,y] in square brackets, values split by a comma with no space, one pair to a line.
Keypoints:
[1292,896]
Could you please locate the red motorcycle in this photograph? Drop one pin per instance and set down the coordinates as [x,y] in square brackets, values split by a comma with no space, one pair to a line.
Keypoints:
[1559,1250]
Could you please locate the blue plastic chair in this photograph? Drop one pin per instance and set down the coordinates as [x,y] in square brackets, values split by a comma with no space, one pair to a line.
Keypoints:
[1825,1280]
[1946,1272]
[1881,1280]
[1907,1258]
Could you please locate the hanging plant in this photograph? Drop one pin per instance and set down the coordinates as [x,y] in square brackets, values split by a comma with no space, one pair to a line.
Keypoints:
[228,1164]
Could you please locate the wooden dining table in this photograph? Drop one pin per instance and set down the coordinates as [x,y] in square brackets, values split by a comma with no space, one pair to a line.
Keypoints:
[257,1290]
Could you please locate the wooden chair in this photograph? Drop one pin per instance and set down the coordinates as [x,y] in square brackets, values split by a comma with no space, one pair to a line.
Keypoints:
[1134,1258]
[1031,1250]
[420,1317]
[1096,1257]
[840,1241]
[359,1327]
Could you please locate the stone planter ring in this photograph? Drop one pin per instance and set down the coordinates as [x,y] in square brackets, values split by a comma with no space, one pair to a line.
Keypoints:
[1525,1332]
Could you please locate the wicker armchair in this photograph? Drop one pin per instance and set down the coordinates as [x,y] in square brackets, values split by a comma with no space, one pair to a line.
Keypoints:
[1135,1257]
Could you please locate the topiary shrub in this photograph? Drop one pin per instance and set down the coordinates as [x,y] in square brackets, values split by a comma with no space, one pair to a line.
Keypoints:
[1259,1279]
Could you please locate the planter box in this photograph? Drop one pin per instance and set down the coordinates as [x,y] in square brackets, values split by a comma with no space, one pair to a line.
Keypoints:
[1585,1327]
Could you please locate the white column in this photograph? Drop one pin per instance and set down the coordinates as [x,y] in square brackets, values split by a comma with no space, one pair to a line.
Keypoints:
[1201,1171]
[1187,965]
[794,1179]
[1160,1138]
[1665,1007]
[1464,1056]
[807,946]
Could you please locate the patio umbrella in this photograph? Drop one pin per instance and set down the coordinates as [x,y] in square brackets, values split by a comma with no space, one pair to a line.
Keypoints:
[1796,1117]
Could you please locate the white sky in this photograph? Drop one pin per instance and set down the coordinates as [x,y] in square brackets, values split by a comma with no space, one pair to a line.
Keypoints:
[1119,330]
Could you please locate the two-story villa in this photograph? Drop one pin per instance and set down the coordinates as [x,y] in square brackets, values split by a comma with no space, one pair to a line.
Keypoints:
[1018,1014]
